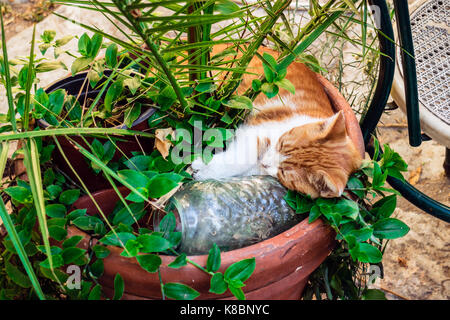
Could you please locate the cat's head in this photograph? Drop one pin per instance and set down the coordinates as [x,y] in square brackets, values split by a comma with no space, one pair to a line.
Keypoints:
[317,158]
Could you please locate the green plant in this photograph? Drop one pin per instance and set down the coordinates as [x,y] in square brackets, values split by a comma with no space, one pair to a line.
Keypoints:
[362,221]
[166,64]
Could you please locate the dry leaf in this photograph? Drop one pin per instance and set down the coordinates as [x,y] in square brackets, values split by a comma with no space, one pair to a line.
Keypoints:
[415,176]
[402,262]
[162,144]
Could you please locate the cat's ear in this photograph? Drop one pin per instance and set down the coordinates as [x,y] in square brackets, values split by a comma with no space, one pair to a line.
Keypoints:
[335,128]
[326,186]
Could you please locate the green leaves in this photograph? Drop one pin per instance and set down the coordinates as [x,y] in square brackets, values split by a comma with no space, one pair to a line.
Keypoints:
[360,225]
[286,84]
[314,214]
[240,271]
[55,210]
[205,87]
[218,284]
[390,228]
[80,64]
[101,252]
[214,260]
[48,35]
[179,291]
[95,293]
[119,239]
[88,48]
[166,98]
[104,153]
[19,194]
[385,207]
[269,66]
[153,243]
[274,78]
[269,89]
[130,215]
[132,114]
[347,208]
[119,287]
[68,197]
[23,76]
[113,93]
[374,294]
[179,262]
[162,184]
[72,241]
[72,254]
[226,6]
[87,223]
[17,276]
[168,223]
[57,233]
[379,178]
[57,260]
[392,163]
[356,186]
[84,45]
[111,55]
[366,253]
[155,187]
[234,277]
[50,66]
[239,102]
[149,262]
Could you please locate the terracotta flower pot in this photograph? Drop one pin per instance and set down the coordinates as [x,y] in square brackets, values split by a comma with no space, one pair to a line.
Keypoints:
[128,144]
[283,263]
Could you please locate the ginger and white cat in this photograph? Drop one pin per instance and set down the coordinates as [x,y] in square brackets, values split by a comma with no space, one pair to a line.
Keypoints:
[296,138]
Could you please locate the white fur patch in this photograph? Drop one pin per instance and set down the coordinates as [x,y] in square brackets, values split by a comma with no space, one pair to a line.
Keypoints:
[241,156]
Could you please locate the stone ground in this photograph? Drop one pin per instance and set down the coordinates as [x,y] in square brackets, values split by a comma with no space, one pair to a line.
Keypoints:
[416,266]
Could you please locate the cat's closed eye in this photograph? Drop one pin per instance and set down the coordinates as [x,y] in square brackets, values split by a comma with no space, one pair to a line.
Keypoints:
[319,158]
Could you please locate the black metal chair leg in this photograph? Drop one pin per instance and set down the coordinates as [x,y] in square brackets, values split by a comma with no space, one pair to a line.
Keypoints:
[386,73]
[409,70]
[383,89]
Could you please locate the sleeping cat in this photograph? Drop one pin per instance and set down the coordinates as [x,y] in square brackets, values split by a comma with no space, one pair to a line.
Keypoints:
[296,138]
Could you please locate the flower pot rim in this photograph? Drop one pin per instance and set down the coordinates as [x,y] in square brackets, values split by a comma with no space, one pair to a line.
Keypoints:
[339,103]
[303,226]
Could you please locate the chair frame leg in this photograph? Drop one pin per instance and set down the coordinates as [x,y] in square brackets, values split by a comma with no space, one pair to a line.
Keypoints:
[375,111]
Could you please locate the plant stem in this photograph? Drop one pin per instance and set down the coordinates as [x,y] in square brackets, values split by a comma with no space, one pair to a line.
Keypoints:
[29,83]
[73,131]
[195,264]
[8,85]
[161,284]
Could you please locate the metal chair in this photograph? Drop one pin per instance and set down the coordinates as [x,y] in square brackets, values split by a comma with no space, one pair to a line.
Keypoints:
[383,89]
